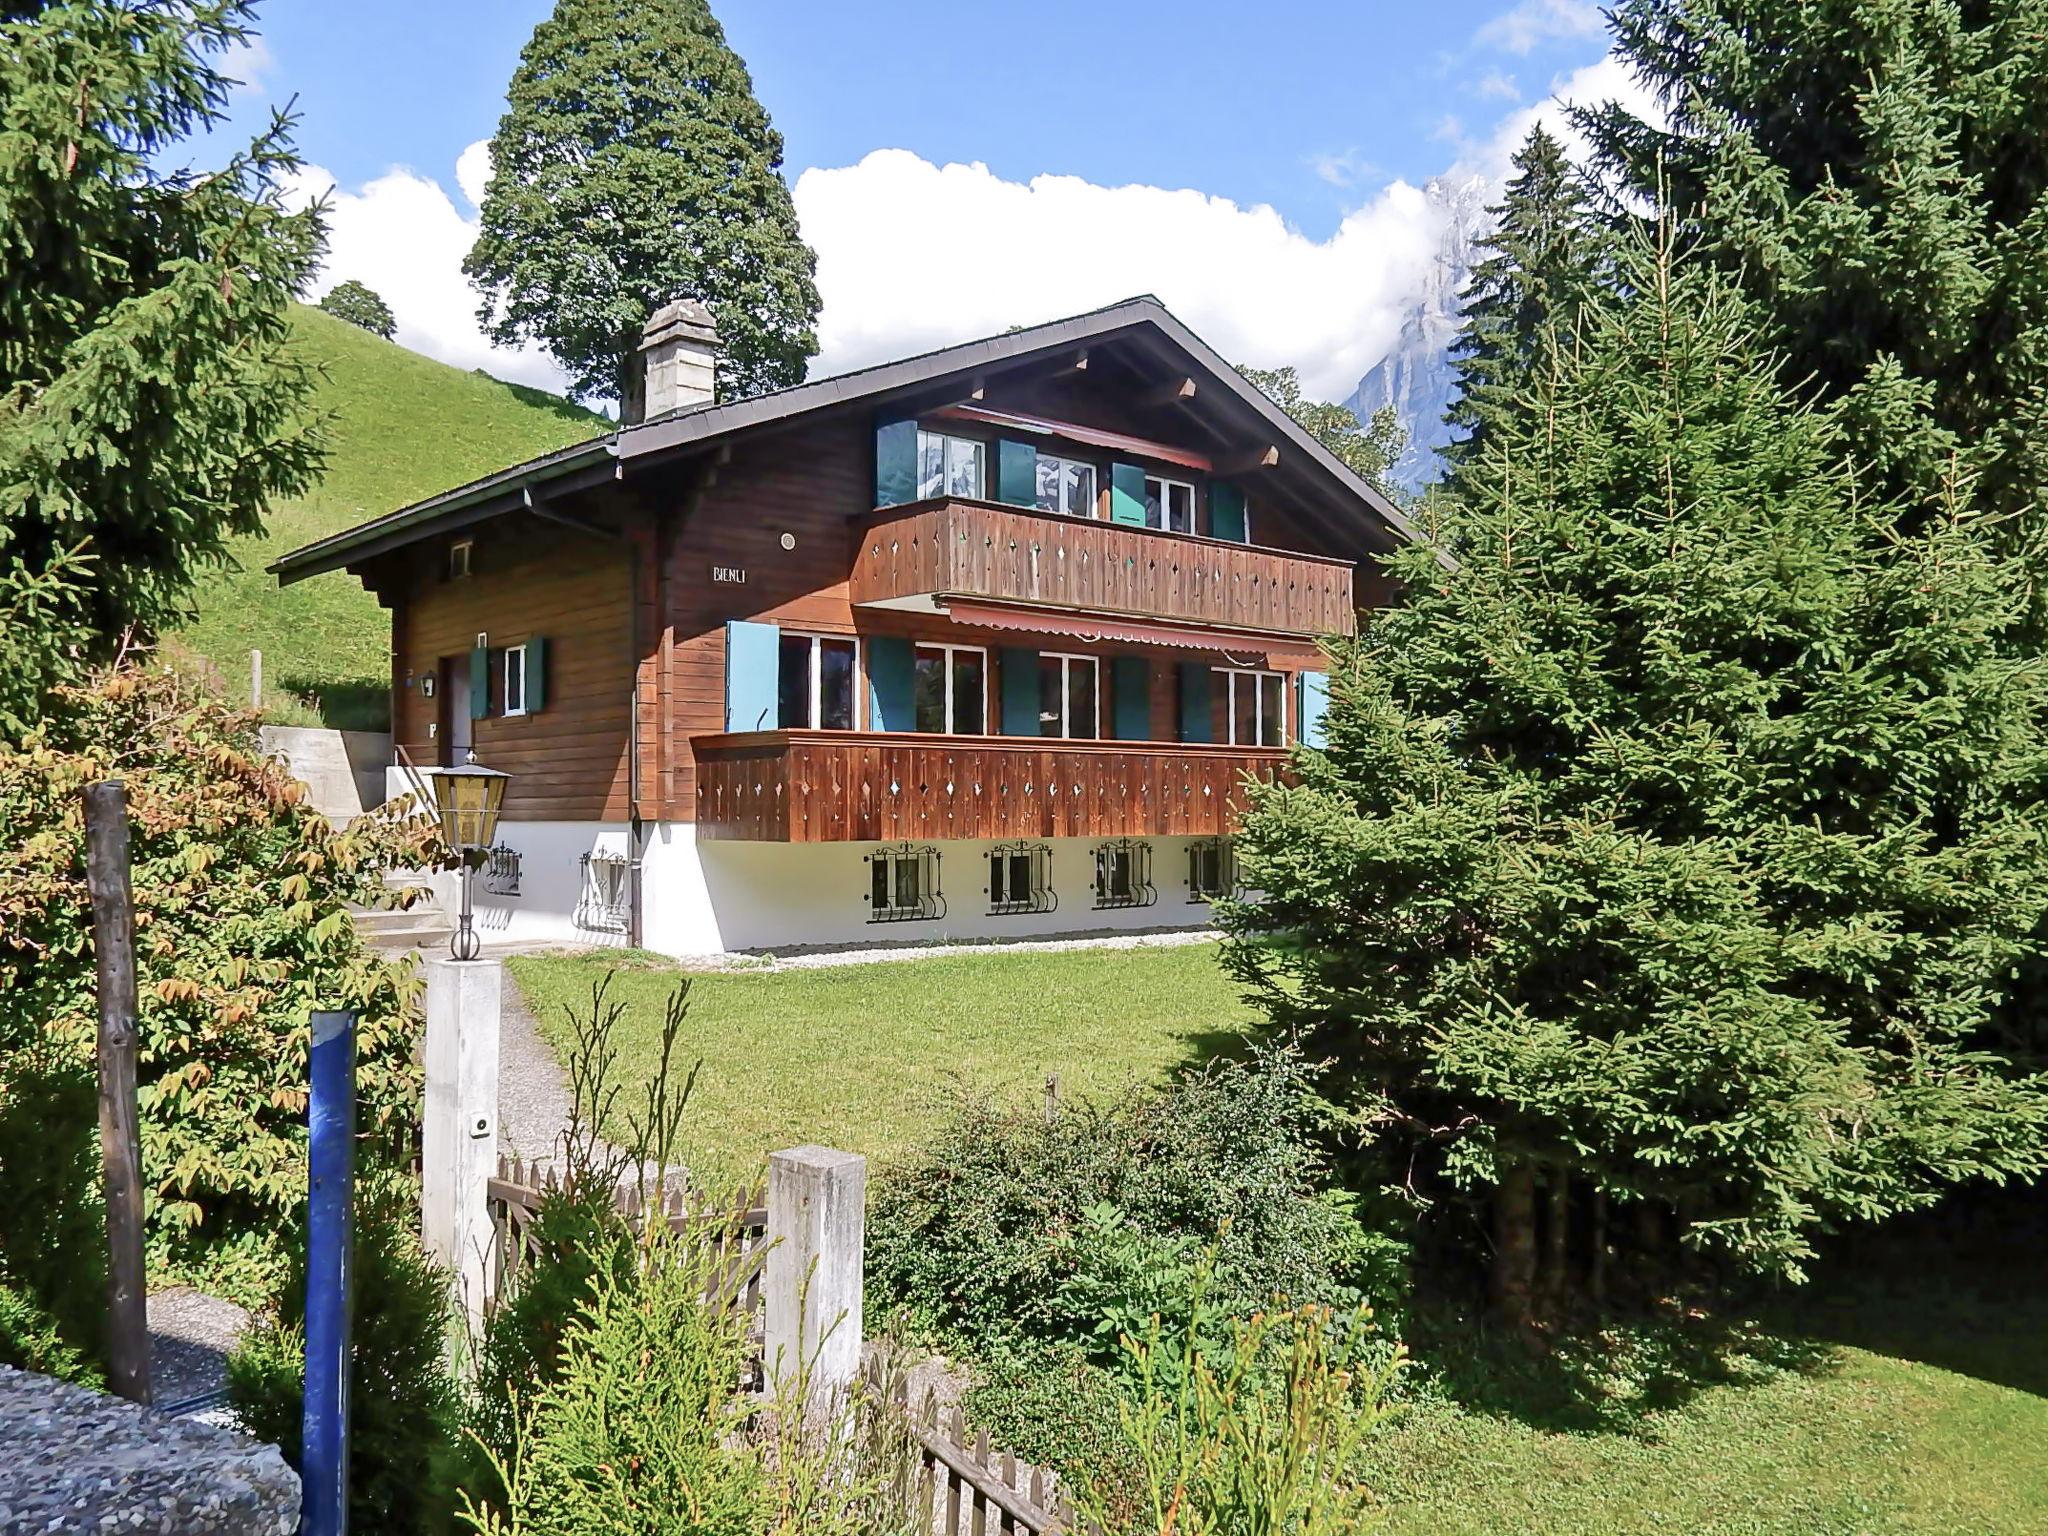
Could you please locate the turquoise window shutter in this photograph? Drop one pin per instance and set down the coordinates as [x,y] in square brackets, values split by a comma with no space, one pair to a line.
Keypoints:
[752,665]
[1315,704]
[1016,473]
[895,463]
[479,682]
[1020,693]
[536,675]
[1226,512]
[1195,683]
[892,694]
[1132,678]
[1127,494]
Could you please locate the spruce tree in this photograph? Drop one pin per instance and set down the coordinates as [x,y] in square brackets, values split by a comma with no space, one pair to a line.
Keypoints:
[151,406]
[1670,846]
[1541,265]
[1876,173]
[634,166]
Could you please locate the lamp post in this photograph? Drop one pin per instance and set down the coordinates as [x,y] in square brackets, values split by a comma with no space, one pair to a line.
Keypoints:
[469,799]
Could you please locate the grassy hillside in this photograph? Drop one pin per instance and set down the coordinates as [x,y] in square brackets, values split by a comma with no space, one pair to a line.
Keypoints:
[403,427]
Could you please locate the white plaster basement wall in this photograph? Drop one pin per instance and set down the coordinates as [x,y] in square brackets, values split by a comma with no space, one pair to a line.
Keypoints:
[710,897]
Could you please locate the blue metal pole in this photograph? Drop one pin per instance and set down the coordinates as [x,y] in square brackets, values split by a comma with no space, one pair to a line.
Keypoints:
[332,1119]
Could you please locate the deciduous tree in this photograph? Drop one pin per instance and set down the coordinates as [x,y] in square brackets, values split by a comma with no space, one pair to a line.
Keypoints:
[634,166]
[1369,448]
[359,304]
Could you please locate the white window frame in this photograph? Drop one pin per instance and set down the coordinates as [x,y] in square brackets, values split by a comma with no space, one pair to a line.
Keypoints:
[1065,659]
[949,648]
[946,491]
[1165,523]
[510,652]
[1260,678]
[1065,463]
[818,678]
[461,554]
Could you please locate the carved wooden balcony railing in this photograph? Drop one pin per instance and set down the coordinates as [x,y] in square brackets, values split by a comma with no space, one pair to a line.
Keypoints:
[975,549]
[842,786]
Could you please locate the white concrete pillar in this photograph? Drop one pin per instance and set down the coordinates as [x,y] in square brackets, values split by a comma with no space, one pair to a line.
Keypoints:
[811,1290]
[459,1136]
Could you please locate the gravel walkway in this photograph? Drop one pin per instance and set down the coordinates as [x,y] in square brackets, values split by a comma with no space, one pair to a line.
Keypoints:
[190,1337]
[533,1091]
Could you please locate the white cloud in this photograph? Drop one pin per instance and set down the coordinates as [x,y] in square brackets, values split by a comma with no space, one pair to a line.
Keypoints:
[1343,169]
[246,63]
[473,171]
[404,236]
[988,254]
[1531,22]
[1608,79]
[1496,86]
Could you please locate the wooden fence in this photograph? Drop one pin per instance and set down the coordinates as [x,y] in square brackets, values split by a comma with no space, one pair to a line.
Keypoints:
[515,1197]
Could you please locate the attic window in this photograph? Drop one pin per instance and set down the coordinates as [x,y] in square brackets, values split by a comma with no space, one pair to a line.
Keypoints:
[458,558]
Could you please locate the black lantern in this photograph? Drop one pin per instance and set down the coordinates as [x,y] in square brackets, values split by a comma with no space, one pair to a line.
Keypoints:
[469,799]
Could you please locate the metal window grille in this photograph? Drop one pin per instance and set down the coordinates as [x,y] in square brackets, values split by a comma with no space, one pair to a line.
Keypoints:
[1123,874]
[501,870]
[1020,879]
[1212,868]
[602,904]
[903,884]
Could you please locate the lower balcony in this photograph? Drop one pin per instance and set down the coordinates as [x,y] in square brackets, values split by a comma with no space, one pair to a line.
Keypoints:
[845,786]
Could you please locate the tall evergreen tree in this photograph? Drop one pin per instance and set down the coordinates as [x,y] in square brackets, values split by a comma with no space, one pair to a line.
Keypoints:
[151,406]
[1670,847]
[1876,172]
[632,167]
[1540,267]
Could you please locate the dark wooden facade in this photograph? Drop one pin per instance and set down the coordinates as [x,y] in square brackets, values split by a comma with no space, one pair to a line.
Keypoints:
[633,581]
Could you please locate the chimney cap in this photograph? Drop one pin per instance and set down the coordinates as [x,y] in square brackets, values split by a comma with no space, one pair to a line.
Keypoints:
[680,320]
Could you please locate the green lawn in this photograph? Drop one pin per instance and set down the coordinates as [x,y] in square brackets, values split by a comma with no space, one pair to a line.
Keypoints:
[863,1056]
[403,427]
[1904,1391]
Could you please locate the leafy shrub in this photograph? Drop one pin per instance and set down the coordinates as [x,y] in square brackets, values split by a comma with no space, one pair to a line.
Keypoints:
[403,1403]
[53,1258]
[242,924]
[31,1341]
[1054,1407]
[1011,1226]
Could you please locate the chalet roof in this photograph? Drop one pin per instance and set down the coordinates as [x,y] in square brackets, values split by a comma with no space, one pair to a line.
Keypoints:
[1143,320]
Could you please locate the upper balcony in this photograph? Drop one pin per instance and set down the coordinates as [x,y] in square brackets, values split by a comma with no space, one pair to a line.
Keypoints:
[921,553]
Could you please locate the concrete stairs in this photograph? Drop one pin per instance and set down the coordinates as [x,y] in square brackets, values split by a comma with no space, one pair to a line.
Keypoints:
[343,771]
[421,928]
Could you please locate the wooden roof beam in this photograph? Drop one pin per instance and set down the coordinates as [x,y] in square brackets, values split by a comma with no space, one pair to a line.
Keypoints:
[1266,457]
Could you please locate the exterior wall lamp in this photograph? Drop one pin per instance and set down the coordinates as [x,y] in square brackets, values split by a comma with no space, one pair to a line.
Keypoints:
[469,799]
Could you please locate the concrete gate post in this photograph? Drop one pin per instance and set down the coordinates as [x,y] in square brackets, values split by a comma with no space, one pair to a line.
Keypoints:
[459,1135]
[811,1288]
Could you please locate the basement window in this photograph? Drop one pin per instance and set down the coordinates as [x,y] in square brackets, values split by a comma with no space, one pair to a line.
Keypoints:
[1212,869]
[1020,879]
[903,885]
[1123,874]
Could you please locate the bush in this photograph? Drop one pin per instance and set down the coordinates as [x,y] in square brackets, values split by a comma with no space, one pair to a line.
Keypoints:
[242,924]
[403,1403]
[1054,1407]
[31,1340]
[1008,1226]
[52,1265]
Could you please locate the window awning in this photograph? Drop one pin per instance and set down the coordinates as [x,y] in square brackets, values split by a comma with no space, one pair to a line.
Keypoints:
[1284,654]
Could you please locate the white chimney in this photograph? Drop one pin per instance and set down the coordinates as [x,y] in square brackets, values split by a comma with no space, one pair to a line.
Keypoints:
[678,359]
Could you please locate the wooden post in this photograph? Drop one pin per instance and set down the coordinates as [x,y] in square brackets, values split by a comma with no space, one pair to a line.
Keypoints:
[113,927]
[255,679]
[1052,1098]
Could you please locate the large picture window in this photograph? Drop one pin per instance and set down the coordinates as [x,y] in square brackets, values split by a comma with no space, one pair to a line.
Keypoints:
[951,466]
[1169,504]
[951,689]
[1066,486]
[1069,695]
[815,682]
[1254,708]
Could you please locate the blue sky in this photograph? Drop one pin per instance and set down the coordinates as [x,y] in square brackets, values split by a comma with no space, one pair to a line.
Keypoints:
[1217,149]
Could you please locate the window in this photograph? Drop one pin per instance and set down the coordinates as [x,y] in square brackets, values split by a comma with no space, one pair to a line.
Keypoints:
[515,679]
[903,884]
[459,557]
[603,902]
[1123,874]
[814,683]
[1020,879]
[1254,708]
[1066,486]
[1068,690]
[1169,504]
[950,466]
[1212,868]
[951,689]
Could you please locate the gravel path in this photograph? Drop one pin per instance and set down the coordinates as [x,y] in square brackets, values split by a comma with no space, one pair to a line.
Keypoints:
[533,1091]
[190,1337]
